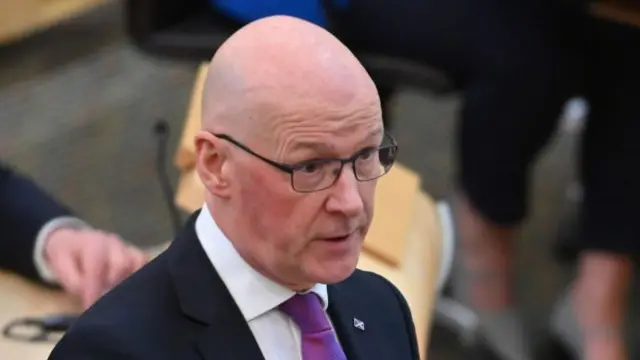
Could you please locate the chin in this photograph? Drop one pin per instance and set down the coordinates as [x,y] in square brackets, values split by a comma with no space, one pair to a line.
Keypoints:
[332,272]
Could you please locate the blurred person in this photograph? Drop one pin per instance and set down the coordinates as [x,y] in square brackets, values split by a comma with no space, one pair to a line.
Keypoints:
[289,153]
[608,58]
[43,241]
[516,64]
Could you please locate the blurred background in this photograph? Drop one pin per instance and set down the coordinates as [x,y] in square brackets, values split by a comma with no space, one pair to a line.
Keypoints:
[78,102]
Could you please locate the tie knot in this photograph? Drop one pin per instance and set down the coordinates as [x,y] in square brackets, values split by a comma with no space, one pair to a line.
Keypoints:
[307,311]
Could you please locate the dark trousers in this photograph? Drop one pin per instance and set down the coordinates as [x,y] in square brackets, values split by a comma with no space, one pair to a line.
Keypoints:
[516,63]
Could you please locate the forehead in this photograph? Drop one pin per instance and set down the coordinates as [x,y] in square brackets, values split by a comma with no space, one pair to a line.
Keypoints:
[327,130]
[333,144]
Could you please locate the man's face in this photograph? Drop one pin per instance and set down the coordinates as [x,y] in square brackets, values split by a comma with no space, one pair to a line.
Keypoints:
[299,238]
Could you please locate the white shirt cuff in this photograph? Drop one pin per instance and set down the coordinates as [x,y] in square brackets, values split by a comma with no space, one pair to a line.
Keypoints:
[448,243]
[44,270]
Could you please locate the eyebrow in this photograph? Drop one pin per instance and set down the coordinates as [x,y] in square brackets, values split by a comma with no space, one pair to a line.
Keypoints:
[323,147]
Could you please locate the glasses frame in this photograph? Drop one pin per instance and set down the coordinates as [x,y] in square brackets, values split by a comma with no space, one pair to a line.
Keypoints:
[46,329]
[291,169]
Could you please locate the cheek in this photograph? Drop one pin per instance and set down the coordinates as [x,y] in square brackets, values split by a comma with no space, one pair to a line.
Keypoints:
[272,210]
[368,194]
[250,202]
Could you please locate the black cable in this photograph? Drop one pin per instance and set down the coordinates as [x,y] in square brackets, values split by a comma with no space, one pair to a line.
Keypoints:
[161,130]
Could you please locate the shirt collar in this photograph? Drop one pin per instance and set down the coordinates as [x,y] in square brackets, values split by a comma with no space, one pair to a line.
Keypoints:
[254,293]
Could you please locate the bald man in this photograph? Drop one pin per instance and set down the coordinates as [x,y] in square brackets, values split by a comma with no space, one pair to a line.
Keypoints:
[290,150]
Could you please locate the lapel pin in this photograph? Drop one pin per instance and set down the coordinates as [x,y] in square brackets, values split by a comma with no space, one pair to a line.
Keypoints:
[358,324]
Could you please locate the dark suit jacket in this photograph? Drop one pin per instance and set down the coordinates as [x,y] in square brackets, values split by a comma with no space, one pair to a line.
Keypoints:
[24,209]
[177,307]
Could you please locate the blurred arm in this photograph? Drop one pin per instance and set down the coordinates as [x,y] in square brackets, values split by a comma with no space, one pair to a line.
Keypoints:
[27,215]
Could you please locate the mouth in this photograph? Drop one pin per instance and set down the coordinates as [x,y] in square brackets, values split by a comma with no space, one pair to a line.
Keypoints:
[339,238]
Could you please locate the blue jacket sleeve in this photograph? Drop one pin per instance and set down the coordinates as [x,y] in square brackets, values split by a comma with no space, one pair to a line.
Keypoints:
[249,10]
[24,210]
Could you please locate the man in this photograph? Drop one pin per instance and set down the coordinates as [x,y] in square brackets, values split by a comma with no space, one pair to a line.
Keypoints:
[42,241]
[289,152]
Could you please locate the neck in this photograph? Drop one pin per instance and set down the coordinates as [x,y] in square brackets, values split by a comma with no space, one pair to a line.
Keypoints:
[240,237]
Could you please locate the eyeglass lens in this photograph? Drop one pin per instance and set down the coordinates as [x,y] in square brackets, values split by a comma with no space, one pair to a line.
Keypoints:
[319,174]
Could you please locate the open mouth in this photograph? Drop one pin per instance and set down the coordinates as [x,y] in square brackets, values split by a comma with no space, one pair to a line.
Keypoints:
[337,238]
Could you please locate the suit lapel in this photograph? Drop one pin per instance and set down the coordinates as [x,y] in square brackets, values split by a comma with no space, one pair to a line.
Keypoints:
[229,339]
[344,307]
[205,300]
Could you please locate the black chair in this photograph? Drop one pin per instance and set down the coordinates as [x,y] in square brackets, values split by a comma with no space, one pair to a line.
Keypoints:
[189,30]
[184,29]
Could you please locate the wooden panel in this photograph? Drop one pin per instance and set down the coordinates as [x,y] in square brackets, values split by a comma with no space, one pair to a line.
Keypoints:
[190,191]
[186,153]
[395,195]
[19,18]
[417,275]
[16,17]
[626,12]
[52,11]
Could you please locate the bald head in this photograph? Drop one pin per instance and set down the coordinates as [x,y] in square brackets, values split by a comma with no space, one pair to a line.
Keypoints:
[274,66]
[285,105]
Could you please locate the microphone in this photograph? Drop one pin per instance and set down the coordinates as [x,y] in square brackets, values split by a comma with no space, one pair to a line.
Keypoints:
[162,131]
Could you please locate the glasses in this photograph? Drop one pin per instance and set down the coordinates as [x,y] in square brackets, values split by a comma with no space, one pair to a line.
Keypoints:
[319,174]
[49,328]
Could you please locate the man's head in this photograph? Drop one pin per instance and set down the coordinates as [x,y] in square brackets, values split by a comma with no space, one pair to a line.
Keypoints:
[281,95]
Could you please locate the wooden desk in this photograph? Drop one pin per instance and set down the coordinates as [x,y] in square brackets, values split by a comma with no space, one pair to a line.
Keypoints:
[21,298]
[19,18]
[622,11]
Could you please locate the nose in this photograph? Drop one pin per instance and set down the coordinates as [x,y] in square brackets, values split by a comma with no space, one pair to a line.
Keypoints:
[345,196]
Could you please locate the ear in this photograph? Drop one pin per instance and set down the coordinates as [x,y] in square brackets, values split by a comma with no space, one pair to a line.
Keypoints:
[212,164]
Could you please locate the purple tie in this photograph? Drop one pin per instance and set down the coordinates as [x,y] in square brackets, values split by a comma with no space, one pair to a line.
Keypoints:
[318,339]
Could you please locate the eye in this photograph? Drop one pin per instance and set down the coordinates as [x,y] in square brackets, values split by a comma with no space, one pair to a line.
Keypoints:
[366,153]
[311,167]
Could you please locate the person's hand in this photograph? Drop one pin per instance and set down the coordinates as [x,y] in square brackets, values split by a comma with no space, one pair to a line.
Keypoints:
[89,262]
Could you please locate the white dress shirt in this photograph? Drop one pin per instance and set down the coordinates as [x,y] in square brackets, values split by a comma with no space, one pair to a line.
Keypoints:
[41,265]
[257,296]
